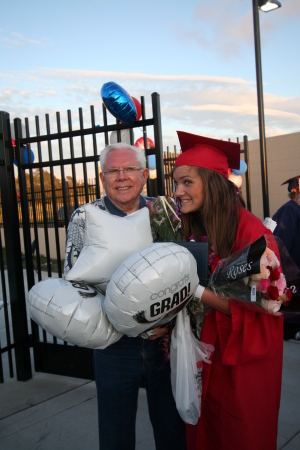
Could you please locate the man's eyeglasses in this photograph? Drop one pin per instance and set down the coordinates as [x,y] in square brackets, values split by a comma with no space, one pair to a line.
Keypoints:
[114,172]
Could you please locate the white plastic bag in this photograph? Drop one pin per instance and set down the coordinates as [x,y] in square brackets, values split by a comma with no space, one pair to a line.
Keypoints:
[187,355]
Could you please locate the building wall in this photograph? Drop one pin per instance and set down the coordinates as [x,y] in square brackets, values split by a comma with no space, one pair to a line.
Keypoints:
[283,162]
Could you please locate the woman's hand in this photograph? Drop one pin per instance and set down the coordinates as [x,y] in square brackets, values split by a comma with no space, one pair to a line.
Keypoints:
[209,298]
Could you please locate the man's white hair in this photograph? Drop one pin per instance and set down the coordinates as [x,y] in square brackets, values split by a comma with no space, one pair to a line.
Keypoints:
[140,154]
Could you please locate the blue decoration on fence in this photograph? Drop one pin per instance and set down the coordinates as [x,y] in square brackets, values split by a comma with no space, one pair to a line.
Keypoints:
[25,157]
[243,168]
[118,102]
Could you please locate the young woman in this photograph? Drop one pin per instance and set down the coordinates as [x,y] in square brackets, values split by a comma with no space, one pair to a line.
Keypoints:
[241,388]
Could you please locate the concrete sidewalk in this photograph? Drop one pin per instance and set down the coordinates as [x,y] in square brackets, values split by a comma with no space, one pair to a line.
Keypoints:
[52,412]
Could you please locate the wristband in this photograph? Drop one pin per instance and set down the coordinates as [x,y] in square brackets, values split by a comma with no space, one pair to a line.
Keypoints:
[199,291]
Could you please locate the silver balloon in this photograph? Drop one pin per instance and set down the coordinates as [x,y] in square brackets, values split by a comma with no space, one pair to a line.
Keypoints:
[71,311]
[150,287]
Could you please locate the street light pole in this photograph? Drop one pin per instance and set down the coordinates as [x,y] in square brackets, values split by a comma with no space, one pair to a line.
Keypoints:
[264,5]
[261,117]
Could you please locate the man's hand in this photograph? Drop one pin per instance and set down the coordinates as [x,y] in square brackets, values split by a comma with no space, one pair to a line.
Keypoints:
[159,332]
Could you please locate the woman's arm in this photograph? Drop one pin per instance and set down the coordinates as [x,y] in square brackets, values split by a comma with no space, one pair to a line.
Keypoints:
[213,300]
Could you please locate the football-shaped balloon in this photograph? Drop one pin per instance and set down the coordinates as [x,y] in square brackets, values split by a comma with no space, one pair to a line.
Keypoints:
[140,143]
[150,288]
[125,137]
[243,168]
[118,102]
[72,312]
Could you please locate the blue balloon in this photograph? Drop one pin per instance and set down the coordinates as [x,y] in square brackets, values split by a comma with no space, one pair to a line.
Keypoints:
[118,102]
[25,157]
[242,170]
[151,162]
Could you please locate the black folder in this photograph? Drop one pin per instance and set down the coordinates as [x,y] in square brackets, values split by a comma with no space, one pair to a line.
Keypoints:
[200,252]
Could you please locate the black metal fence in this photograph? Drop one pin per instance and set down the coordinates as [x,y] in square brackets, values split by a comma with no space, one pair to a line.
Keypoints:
[63,155]
[43,200]
[40,202]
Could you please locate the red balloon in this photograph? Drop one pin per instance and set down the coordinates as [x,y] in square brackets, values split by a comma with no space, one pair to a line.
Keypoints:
[140,143]
[138,108]
[13,142]
[18,195]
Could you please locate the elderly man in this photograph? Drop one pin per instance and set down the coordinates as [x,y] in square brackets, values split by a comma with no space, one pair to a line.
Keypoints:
[120,367]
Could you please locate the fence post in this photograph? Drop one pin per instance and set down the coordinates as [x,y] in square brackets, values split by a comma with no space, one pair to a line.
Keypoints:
[247,174]
[159,152]
[13,252]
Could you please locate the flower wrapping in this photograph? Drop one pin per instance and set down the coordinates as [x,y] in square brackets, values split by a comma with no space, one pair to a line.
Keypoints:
[164,219]
[256,277]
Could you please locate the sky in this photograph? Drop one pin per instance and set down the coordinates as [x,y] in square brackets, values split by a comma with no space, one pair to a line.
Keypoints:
[198,55]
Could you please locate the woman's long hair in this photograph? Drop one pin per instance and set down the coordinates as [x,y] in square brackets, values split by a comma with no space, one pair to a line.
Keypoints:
[218,217]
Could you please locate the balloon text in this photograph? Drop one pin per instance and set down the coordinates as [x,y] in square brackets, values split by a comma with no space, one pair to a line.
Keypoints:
[167,303]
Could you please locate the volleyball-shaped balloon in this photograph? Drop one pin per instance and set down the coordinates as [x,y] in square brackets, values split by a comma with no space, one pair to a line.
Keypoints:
[150,288]
[72,312]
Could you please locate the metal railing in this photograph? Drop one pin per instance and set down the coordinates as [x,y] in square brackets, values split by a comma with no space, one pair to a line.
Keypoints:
[50,206]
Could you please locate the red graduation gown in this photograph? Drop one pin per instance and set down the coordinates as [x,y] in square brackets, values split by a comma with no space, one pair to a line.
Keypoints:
[241,388]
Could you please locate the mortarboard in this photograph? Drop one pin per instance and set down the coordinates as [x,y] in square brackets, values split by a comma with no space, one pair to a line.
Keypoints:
[212,154]
[292,182]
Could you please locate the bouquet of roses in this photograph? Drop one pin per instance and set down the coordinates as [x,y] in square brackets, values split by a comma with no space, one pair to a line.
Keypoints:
[256,276]
[164,219]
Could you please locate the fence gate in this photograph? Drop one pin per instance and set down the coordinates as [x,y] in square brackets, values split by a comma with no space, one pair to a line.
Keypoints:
[33,234]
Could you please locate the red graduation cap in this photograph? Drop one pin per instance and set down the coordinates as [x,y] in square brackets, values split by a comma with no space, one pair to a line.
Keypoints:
[208,153]
[292,182]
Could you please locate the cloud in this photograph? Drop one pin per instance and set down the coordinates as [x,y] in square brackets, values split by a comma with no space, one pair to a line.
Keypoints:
[208,29]
[19,40]
[69,74]
[220,107]
[26,40]
[8,94]
[46,93]
[227,28]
